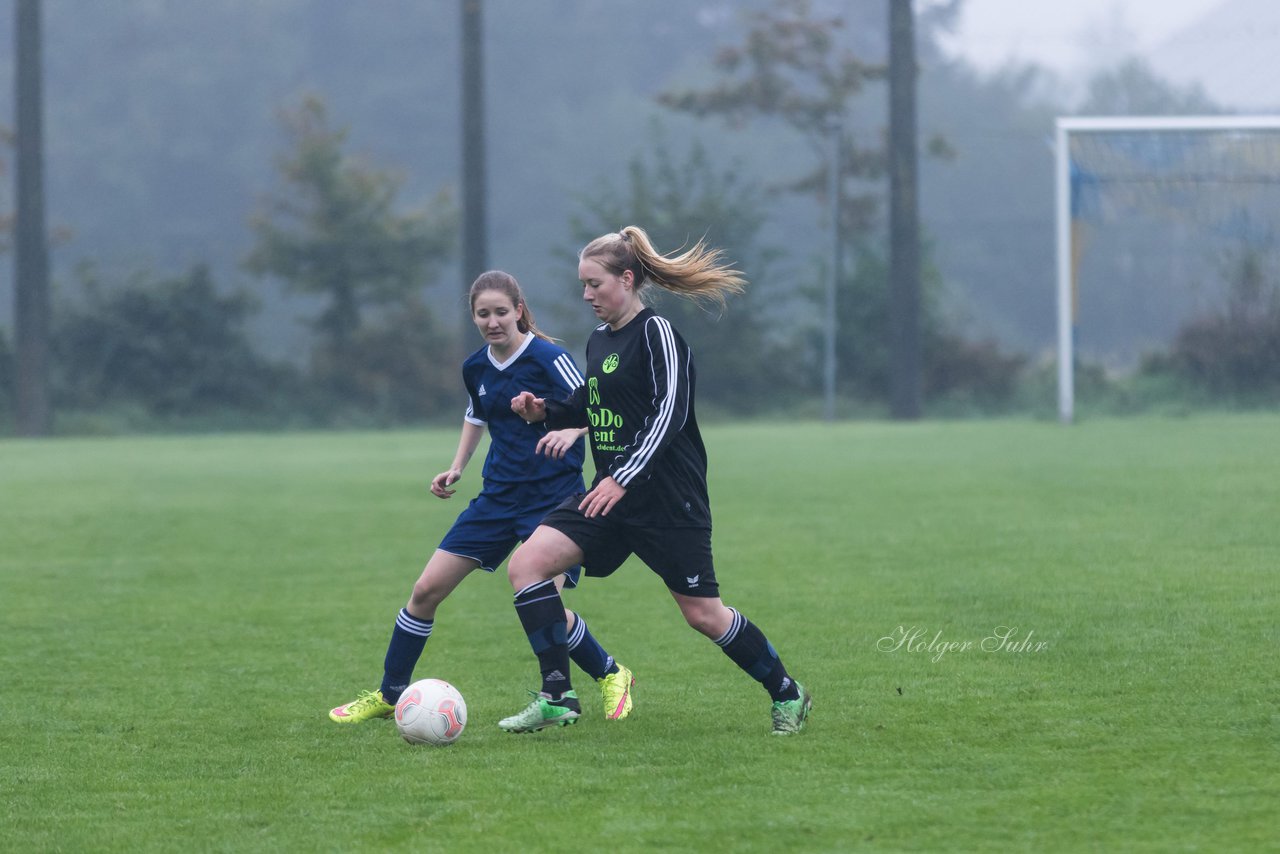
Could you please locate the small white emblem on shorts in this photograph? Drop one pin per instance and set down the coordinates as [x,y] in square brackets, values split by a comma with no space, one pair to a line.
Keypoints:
[693,579]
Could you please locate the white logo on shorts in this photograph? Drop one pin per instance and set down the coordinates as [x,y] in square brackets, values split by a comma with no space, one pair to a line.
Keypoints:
[693,579]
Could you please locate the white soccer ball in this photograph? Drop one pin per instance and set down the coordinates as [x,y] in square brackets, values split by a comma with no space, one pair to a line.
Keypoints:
[431,711]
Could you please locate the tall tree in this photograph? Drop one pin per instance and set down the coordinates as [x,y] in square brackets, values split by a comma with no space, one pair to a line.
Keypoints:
[31,249]
[475,239]
[332,230]
[791,67]
[904,222]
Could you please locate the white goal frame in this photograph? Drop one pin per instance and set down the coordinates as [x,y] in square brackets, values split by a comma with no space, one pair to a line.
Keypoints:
[1065,127]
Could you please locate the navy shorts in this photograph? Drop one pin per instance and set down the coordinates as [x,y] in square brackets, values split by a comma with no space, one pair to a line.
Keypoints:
[501,516]
[681,557]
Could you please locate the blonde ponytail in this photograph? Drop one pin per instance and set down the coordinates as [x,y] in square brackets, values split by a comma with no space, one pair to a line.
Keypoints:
[696,273]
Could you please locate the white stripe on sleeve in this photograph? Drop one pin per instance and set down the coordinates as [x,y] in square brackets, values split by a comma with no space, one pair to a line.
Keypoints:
[568,371]
[666,407]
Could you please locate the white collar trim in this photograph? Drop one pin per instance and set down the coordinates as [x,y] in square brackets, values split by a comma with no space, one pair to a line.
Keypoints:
[502,366]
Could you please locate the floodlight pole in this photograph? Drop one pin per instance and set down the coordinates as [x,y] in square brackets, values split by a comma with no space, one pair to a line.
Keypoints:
[836,129]
[31,318]
[475,227]
[1066,304]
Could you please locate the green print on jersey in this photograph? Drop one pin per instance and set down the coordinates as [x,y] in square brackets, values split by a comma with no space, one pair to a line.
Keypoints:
[604,423]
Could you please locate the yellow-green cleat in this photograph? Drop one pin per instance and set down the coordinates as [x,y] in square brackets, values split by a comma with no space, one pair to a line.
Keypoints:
[615,688]
[789,715]
[543,713]
[367,706]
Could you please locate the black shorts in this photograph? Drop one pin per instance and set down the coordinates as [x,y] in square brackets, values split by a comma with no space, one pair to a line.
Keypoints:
[681,557]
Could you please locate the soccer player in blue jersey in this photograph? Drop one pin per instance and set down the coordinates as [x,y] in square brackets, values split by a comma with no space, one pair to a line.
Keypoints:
[649,497]
[527,472]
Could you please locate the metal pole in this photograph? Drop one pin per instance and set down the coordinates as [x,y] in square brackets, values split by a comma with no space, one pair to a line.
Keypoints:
[475,237]
[833,277]
[32,310]
[904,217]
[1066,319]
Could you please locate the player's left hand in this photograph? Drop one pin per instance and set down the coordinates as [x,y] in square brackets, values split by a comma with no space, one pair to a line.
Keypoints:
[599,501]
[558,442]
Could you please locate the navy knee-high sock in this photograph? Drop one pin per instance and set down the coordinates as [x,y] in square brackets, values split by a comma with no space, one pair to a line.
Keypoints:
[751,650]
[541,614]
[587,653]
[407,640]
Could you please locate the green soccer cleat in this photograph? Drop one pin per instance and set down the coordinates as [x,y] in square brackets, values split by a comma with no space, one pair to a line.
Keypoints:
[367,706]
[789,715]
[616,690]
[542,713]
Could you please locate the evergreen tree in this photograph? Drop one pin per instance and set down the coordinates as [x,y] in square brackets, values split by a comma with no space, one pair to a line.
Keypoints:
[331,230]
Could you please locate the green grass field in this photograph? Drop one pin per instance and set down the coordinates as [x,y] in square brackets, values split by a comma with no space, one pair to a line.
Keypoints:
[179,614]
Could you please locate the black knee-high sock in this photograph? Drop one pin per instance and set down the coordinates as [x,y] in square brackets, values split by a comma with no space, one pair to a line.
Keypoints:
[751,650]
[407,640]
[587,653]
[542,615]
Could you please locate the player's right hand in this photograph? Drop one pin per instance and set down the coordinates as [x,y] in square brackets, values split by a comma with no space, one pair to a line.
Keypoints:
[440,483]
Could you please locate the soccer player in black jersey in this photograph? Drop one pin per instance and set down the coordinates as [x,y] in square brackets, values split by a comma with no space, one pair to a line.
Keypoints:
[649,497]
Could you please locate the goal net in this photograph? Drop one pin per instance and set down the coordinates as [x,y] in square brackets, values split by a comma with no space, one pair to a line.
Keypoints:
[1149,213]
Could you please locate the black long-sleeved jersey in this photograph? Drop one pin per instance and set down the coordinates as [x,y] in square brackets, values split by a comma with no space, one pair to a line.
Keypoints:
[638,404]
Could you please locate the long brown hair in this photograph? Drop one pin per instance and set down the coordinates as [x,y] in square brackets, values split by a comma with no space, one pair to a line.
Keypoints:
[697,272]
[497,280]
